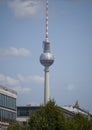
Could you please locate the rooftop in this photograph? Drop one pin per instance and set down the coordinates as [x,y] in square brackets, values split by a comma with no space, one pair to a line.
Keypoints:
[7,89]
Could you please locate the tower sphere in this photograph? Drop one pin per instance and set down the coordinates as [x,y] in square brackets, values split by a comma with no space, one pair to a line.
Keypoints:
[46,59]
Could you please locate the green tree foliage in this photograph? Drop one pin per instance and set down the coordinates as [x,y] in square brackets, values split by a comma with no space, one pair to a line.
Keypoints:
[16,126]
[79,122]
[83,123]
[50,117]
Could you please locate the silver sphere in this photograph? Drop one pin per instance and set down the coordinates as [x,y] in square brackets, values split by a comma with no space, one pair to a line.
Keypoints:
[46,59]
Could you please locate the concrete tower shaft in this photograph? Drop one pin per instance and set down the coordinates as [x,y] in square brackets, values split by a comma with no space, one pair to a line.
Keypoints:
[46,59]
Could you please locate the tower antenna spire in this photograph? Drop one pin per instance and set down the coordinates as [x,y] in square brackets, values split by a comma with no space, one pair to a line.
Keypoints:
[46,36]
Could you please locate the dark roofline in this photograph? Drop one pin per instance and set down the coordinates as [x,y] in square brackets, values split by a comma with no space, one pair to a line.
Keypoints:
[87,112]
[28,106]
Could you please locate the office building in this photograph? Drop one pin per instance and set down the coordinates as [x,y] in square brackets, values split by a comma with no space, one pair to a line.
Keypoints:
[7,107]
[23,113]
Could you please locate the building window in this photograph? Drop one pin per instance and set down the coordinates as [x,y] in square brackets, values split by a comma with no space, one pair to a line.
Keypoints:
[7,102]
[7,115]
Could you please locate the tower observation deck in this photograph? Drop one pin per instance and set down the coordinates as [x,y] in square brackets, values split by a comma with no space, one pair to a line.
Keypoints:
[46,59]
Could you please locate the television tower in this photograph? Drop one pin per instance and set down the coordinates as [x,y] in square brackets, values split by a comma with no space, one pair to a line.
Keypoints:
[46,59]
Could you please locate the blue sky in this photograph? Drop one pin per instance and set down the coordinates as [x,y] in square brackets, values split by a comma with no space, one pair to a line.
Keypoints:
[22,31]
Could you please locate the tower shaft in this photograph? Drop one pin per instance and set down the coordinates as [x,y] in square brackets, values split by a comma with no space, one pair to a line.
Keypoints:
[46,85]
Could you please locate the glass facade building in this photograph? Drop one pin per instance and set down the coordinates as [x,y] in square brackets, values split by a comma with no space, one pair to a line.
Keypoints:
[26,111]
[7,105]
[23,113]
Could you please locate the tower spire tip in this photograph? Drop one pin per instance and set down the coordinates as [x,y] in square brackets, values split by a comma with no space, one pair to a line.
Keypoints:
[46,35]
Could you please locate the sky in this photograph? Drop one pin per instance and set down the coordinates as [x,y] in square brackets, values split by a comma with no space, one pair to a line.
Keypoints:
[22,32]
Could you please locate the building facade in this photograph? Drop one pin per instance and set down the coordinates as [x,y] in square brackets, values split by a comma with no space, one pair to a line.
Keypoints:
[7,106]
[23,113]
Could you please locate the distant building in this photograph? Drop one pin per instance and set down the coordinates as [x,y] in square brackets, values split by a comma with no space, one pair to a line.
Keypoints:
[7,107]
[77,110]
[23,113]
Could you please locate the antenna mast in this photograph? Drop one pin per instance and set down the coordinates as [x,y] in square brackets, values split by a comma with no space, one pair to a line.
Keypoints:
[46,36]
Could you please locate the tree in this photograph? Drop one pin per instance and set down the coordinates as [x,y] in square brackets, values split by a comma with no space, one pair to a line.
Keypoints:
[48,117]
[79,122]
[83,122]
[16,126]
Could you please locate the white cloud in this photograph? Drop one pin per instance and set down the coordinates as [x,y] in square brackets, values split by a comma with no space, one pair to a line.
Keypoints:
[71,87]
[11,81]
[18,83]
[38,79]
[7,80]
[12,51]
[25,7]
[22,90]
[35,78]
[2,77]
